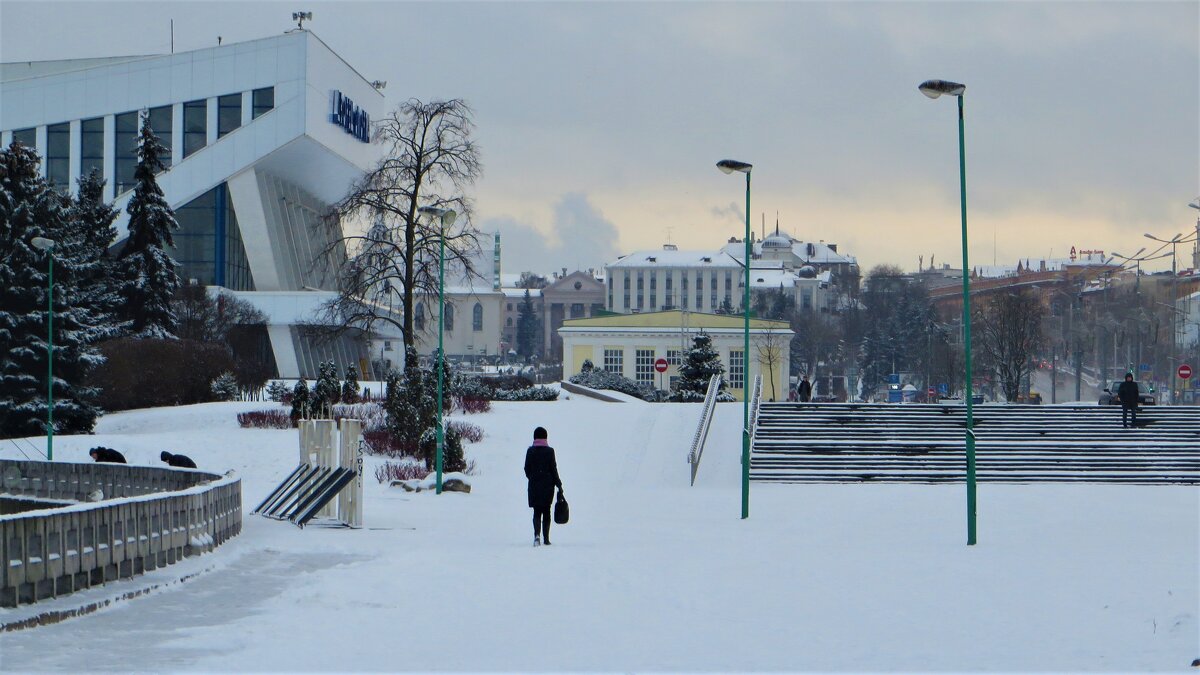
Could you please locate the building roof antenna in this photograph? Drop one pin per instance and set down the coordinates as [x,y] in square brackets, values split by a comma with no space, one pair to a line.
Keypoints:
[301,17]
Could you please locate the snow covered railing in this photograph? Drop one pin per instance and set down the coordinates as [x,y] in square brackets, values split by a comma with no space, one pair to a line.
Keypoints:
[145,518]
[706,413]
[754,405]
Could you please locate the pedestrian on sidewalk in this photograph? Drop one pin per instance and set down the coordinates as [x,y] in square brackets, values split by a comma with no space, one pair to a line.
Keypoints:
[542,471]
[804,390]
[1127,393]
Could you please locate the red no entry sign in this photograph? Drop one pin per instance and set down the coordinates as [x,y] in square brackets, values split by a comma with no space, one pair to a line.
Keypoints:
[661,365]
[1185,371]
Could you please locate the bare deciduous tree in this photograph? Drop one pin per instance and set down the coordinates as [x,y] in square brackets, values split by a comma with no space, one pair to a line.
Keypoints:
[430,160]
[1009,333]
[769,345]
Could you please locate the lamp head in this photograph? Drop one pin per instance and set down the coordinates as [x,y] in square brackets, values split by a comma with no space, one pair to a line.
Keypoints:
[1195,204]
[731,165]
[447,216]
[936,88]
[42,243]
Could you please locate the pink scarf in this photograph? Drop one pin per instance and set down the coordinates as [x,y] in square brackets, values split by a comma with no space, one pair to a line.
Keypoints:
[541,442]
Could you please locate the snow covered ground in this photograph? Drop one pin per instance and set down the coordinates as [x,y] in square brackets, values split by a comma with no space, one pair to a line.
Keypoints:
[650,575]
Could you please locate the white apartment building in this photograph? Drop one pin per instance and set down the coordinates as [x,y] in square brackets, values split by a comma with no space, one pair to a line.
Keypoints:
[652,281]
[261,136]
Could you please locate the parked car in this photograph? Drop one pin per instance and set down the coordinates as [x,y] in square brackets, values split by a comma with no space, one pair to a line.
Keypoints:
[1109,397]
[824,398]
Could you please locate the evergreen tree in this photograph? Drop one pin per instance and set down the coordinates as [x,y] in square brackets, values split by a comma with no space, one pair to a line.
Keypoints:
[528,328]
[726,307]
[149,274]
[700,363]
[97,270]
[225,387]
[350,390]
[326,391]
[300,401]
[30,208]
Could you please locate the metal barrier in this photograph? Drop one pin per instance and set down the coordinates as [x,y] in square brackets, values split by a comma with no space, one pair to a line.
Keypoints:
[755,403]
[706,413]
[149,517]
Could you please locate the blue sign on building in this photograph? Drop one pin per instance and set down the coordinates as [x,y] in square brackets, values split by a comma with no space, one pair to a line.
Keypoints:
[350,117]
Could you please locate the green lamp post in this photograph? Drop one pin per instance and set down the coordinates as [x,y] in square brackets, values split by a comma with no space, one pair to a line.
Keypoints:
[47,245]
[730,166]
[446,219]
[934,89]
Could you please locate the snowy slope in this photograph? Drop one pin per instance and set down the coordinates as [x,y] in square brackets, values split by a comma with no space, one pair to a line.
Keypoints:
[650,574]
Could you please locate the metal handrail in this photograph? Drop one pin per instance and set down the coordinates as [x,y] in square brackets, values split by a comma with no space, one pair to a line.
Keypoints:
[755,402]
[710,399]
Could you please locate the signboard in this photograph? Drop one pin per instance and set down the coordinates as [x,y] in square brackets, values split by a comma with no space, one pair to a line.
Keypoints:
[1185,371]
[893,378]
[944,389]
[661,365]
[1144,367]
[932,391]
[350,117]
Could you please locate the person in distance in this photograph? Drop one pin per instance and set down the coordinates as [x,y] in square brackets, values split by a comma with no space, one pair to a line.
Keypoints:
[103,454]
[181,461]
[542,471]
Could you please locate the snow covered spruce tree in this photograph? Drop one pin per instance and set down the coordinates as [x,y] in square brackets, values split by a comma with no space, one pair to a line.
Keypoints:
[700,363]
[529,329]
[29,209]
[149,276]
[97,270]
[350,391]
[327,390]
[301,401]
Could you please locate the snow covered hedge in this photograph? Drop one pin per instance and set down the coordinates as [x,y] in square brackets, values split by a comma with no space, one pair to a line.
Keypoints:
[602,379]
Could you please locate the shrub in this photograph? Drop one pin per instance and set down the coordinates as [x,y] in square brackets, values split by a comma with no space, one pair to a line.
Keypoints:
[372,415]
[225,387]
[382,442]
[529,394]
[508,383]
[149,372]
[452,450]
[390,471]
[265,419]
[469,432]
[602,379]
[472,405]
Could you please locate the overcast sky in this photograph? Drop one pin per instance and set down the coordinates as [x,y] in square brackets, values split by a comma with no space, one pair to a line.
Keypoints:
[600,123]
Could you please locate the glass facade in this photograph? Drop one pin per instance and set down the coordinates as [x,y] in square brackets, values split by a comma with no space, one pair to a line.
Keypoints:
[195,126]
[160,124]
[229,113]
[126,150]
[263,101]
[208,244]
[91,145]
[26,137]
[58,156]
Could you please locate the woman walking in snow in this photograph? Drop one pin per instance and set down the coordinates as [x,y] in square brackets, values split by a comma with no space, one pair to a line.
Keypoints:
[542,471]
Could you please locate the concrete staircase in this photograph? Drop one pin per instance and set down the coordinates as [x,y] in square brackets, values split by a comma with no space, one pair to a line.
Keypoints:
[917,443]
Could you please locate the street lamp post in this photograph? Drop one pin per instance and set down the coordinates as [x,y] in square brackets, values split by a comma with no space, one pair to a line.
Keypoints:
[446,219]
[47,245]
[1173,241]
[934,89]
[729,166]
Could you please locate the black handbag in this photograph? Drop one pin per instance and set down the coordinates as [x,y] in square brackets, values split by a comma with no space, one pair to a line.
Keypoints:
[562,512]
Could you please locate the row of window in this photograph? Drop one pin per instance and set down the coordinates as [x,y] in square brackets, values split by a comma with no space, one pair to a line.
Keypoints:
[642,299]
[643,364]
[125,133]
[476,317]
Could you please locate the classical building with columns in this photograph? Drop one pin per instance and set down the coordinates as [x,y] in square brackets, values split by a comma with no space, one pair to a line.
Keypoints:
[262,136]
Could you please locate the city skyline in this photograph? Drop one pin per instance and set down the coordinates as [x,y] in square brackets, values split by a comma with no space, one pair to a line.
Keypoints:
[600,124]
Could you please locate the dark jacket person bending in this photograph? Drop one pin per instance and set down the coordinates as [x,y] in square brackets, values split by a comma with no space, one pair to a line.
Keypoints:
[542,471]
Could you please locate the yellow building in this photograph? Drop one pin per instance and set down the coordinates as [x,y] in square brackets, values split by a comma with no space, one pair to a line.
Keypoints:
[630,344]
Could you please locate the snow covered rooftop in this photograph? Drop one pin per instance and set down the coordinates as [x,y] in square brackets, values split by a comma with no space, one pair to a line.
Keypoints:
[675,258]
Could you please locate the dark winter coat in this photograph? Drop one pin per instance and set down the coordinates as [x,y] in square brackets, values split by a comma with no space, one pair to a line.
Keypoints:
[542,471]
[1128,394]
[109,455]
[805,390]
[181,461]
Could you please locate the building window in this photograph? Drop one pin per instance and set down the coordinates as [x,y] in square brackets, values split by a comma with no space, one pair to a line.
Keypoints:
[58,156]
[508,322]
[643,366]
[477,317]
[26,137]
[578,310]
[263,101]
[229,113]
[737,369]
[806,298]
[614,360]
[126,150]
[510,306]
[195,126]
[449,316]
[91,146]
[208,244]
[419,318]
[674,357]
[387,345]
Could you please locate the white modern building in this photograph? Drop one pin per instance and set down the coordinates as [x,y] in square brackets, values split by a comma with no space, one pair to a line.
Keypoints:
[262,136]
